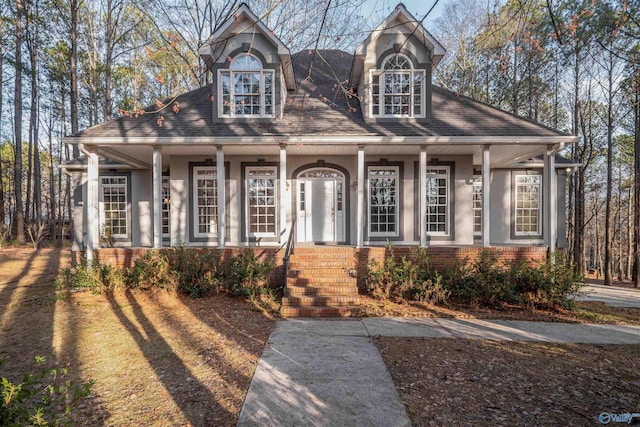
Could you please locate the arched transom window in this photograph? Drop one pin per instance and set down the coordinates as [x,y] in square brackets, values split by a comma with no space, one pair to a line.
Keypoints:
[397,90]
[246,88]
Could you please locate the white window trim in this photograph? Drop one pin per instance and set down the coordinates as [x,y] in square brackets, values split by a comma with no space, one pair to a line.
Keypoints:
[447,215]
[274,177]
[196,220]
[477,183]
[538,232]
[102,218]
[396,169]
[263,72]
[381,73]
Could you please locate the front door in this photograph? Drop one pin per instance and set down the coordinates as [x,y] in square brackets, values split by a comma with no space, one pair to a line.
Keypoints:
[320,216]
[320,219]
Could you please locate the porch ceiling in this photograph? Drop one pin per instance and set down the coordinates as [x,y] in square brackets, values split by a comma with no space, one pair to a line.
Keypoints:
[140,156]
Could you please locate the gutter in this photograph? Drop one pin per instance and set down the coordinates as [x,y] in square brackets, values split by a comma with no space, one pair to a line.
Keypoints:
[324,140]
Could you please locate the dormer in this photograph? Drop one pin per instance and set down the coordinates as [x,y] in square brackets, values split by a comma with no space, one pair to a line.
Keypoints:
[392,69]
[251,68]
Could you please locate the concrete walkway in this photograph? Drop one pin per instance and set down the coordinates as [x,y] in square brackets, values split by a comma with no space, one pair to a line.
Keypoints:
[322,373]
[612,295]
[328,373]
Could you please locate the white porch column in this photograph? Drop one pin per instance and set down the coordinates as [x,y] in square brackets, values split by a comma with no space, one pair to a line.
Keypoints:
[283,195]
[550,191]
[486,196]
[92,205]
[157,197]
[422,180]
[222,208]
[360,214]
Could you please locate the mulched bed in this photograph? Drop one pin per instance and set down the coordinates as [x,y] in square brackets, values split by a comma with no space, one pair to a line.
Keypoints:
[473,382]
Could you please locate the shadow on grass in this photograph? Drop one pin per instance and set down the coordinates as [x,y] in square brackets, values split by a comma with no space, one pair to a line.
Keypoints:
[177,379]
[36,323]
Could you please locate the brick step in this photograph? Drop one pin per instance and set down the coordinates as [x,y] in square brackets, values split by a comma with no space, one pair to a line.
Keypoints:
[320,290]
[329,311]
[329,281]
[320,300]
[319,263]
[320,256]
[325,272]
[302,250]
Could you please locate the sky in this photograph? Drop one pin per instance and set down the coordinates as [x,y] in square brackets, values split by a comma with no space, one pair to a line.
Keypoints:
[379,9]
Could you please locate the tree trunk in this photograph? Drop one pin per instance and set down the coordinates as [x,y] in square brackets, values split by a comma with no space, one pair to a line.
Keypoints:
[34,127]
[17,121]
[607,219]
[52,188]
[636,178]
[73,71]
[578,195]
[108,46]
[3,214]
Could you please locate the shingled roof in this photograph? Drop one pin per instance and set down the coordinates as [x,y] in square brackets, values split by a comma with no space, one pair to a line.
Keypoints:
[321,105]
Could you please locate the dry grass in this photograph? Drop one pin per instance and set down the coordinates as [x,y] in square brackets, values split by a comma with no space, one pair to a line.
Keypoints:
[445,382]
[157,359]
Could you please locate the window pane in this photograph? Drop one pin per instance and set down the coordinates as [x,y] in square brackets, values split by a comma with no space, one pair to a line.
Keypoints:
[261,200]
[383,187]
[477,206]
[527,204]
[113,195]
[437,199]
[206,209]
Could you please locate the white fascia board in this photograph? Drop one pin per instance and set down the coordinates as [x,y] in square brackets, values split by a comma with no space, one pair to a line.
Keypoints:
[327,140]
[400,10]
[243,9]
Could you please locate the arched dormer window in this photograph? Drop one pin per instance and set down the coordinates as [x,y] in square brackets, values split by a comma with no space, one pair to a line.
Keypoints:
[397,90]
[246,88]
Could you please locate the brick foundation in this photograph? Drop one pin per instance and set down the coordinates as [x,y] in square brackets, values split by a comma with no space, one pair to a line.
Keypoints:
[440,257]
[126,257]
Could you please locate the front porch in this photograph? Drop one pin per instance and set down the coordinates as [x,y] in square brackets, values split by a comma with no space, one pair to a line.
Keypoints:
[361,196]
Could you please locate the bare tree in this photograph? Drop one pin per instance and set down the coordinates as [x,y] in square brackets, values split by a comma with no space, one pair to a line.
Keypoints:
[17,164]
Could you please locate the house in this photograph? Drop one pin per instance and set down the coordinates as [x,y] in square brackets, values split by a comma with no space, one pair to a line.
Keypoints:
[321,149]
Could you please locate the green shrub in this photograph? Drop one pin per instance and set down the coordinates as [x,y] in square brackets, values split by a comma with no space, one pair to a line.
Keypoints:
[152,271]
[431,290]
[486,281]
[409,278]
[199,272]
[246,275]
[111,277]
[81,277]
[552,284]
[42,398]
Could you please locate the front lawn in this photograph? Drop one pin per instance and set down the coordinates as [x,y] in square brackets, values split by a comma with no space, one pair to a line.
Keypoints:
[156,358]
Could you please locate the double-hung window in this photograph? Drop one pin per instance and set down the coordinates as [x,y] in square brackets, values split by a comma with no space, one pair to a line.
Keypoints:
[528,203]
[477,206]
[166,206]
[113,206]
[397,90]
[437,199]
[205,196]
[247,89]
[261,200]
[383,201]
